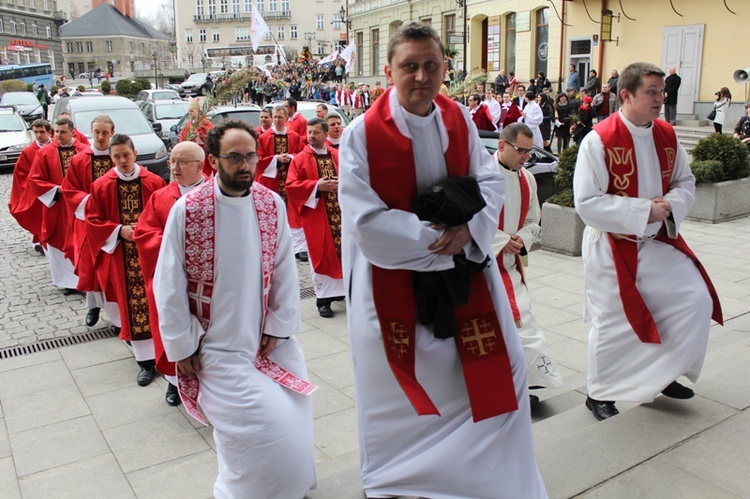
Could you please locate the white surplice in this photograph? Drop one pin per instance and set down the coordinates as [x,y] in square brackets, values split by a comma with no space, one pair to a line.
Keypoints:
[447,456]
[532,118]
[621,367]
[263,431]
[541,362]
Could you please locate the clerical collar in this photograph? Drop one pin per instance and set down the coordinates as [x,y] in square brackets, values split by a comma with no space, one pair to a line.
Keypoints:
[416,120]
[283,132]
[503,165]
[67,145]
[184,189]
[99,152]
[127,177]
[334,141]
[42,145]
[320,152]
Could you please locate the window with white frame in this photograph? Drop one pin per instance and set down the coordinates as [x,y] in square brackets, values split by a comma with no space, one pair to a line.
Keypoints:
[108,44]
[285,5]
[248,5]
[45,4]
[79,47]
[235,6]
[280,32]
[271,5]
[320,22]
[49,31]
[293,31]
[188,35]
[261,4]
[22,27]
[212,8]
[268,35]
[89,47]
[130,47]
[224,6]
[34,57]
[202,35]
[35,29]
[337,21]
[51,57]
[69,46]
[12,26]
[242,33]
[2,28]
[20,3]
[199,8]
[215,34]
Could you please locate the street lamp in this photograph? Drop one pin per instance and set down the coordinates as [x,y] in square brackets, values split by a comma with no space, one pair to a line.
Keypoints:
[154,56]
[347,22]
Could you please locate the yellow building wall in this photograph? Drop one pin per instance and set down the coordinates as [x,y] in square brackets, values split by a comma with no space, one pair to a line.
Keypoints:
[641,40]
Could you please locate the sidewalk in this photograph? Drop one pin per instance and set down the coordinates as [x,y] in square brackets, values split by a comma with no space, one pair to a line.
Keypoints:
[73,422]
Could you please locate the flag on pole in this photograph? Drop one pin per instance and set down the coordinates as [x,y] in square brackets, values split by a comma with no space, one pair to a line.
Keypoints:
[265,70]
[258,28]
[349,55]
[282,56]
[330,57]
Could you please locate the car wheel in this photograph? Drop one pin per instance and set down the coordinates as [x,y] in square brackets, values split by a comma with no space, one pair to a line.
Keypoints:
[203,91]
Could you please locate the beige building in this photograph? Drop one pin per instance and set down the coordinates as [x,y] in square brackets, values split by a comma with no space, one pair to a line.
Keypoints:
[29,33]
[216,33]
[528,36]
[105,38]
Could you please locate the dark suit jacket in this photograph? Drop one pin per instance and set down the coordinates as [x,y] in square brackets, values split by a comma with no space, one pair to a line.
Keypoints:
[671,86]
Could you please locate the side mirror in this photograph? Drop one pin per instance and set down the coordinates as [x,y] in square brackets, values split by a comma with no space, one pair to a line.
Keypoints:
[157,127]
[173,128]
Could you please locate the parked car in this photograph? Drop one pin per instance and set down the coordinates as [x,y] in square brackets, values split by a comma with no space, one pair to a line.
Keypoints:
[249,113]
[156,94]
[14,137]
[128,118]
[165,112]
[85,76]
[541,164]
[307,109]
[27,104]
[197,84]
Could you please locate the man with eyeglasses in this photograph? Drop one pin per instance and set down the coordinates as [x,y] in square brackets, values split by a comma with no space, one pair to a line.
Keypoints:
[227,295]
[276,149]
[85,168]
[116,202]
[519,225]
[312,187]
[186,166]
[480,114]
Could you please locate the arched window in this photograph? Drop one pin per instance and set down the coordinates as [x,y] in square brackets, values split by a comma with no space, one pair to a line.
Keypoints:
[510,42]
[542,40]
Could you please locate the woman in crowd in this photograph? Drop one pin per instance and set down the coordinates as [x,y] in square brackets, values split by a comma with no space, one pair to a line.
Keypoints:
[721,105]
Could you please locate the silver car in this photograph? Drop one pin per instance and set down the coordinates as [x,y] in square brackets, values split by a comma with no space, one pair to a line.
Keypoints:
[14,137]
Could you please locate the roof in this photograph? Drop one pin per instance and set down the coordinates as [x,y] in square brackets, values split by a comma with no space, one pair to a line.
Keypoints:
[106,20]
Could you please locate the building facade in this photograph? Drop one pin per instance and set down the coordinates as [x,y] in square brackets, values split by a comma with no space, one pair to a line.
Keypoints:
[216,33]
[107,39]
[529,36]
[29,33]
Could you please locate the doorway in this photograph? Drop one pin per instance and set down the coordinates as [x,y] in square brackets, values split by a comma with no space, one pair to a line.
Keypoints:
[682,49]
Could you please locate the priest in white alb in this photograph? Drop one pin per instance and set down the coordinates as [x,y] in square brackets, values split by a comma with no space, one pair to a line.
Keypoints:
[649,299]
[439,417]
[227,295]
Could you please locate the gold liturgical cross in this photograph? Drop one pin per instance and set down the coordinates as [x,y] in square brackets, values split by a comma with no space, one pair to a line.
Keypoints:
[475,333]
[399,340]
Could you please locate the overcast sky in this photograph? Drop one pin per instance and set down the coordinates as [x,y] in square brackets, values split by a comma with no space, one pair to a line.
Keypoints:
[149,7]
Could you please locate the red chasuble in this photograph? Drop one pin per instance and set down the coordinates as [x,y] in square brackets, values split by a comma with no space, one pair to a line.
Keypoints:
[114,202]
[322,224]
[619,155]
[510,114]
[507,281]
[48,171]
[269,145]
[23,205]
[483,119]
[84,169]
[148,236]
[299,126]
[484,357]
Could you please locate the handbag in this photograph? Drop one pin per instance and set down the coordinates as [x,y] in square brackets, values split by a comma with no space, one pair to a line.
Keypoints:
[712,114]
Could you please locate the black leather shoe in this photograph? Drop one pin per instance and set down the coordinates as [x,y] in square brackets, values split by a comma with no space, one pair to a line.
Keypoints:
[533,400]
[146,376]
[602,410]
[325,311]
[69,291]
[677,391]
[302,256]
[39,249]
[92,317]
[172,397]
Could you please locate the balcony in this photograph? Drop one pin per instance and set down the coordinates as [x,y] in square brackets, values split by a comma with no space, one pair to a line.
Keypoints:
[241,16]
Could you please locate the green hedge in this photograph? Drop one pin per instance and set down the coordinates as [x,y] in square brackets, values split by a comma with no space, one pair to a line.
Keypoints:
[566,166]
[12,86]
[732,156]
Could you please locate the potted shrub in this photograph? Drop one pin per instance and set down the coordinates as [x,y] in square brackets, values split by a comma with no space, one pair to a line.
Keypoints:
[721,165]
[562,228]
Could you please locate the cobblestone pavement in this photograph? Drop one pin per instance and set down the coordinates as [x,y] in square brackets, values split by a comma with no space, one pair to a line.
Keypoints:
[31,308]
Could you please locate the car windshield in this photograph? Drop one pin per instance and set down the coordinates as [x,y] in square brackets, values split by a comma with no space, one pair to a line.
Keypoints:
[127,121]
[11,123]
[251,117]
[164,95]
[196,78]
[309,114]
[173,111]
[23,98]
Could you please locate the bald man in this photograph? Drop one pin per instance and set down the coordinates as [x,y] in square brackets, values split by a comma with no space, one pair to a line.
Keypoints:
[185,164]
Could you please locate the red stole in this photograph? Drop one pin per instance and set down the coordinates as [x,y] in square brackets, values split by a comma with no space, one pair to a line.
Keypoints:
[507,281]
[200,244]
[484,358]
[623,181]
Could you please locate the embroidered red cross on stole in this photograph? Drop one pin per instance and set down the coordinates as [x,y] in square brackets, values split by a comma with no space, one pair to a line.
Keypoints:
[200,244]
[484,358]
[507,281]
[620,160]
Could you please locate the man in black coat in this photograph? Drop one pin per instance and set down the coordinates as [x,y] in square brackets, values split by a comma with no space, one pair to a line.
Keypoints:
[671,88]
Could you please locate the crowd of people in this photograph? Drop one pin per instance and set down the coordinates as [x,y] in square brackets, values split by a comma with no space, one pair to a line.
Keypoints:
[424,235]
